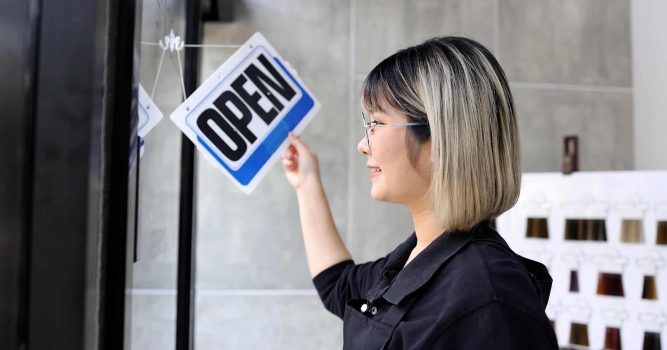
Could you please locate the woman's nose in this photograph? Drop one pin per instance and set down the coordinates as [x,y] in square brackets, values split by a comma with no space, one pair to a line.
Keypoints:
[362,147]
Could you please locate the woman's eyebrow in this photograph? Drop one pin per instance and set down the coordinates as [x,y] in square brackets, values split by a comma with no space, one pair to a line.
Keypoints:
[375,119]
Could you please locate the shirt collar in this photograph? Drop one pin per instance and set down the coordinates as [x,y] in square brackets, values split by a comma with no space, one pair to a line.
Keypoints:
[420,270]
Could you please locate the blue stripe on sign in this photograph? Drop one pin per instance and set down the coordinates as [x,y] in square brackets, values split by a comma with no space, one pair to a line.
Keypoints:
[263,152]
[143,117]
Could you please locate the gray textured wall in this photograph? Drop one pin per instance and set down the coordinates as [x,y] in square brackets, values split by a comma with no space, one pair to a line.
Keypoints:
[569,63]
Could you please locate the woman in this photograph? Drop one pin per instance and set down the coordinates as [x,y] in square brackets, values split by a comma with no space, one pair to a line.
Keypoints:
[441,140]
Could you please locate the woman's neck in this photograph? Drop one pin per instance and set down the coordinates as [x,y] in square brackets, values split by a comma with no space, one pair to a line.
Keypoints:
[427,225]
[427,229]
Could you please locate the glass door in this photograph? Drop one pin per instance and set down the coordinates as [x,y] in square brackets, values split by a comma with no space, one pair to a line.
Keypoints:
[153,288]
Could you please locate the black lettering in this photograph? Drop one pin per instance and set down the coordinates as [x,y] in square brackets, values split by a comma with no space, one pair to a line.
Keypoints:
[241,123]
[278,84]
[253,100]
[212,115]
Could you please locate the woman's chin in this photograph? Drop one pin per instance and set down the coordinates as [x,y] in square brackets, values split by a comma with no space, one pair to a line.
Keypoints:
[375,193]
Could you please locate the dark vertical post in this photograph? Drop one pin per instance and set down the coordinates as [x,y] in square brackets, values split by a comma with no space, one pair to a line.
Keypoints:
[79,169]
[186,234]
[68,74]
[19,20]
[121,160]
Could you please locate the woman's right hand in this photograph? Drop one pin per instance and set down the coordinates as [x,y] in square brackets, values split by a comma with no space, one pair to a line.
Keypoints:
[300,163]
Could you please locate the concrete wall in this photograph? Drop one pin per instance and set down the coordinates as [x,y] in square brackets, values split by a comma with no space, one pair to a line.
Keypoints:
[649,54]
[569,63]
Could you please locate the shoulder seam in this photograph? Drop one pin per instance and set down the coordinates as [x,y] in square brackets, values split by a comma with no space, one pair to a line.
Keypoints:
[488,272]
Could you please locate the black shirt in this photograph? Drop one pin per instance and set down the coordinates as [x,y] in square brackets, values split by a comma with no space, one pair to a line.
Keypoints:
[466,290]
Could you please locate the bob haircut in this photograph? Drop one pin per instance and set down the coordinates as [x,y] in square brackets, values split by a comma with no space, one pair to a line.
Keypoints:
[458,89]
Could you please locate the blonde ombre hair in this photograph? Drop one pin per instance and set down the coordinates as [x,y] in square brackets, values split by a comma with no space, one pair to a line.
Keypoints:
[457,87]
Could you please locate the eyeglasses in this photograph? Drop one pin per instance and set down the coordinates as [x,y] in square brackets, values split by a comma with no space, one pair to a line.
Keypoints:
[370,125]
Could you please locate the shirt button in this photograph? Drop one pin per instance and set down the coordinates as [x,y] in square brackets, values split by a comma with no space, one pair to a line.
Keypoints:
[364,308]
[374,310]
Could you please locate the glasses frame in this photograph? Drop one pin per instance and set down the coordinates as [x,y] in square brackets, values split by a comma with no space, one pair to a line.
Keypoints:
[369,126]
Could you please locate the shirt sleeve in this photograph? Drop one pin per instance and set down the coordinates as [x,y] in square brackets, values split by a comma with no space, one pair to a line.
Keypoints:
[496,326]
[344,281]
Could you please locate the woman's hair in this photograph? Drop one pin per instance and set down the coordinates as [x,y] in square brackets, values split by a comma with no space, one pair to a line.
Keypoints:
[457,87]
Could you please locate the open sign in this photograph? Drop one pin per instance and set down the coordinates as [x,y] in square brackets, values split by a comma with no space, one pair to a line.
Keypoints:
[240,116]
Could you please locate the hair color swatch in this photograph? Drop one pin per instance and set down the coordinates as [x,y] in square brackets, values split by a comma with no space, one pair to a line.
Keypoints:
[631,231]
[612,338]
[574,281]
[610,284]
[579,334]
[585,230]
[651,341]
[662,233]
[650,290]
[537,228]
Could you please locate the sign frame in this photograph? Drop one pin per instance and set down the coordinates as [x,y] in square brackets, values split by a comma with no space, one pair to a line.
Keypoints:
[269,130]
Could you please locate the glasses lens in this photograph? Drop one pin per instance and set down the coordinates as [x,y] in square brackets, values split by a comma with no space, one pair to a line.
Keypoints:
[366,130]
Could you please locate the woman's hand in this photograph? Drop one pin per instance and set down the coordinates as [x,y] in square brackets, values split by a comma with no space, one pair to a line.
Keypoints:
[300,163]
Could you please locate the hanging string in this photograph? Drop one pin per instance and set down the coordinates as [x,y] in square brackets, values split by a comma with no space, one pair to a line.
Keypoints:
[180,69]
[214,46]
[172,43]
[157,74]
[205,46]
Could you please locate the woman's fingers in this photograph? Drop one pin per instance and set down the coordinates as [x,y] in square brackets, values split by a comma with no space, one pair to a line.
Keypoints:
[290,152]
[297,142]
[290,163]
[299,161]
[290,157]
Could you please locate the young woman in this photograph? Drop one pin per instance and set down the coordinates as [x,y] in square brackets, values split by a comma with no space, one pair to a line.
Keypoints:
[441,140]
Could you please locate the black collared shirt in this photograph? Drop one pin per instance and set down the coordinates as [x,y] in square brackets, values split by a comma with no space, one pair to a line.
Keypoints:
[466,290]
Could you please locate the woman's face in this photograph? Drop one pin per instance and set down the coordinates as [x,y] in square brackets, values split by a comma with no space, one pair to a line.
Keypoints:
[395,179]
